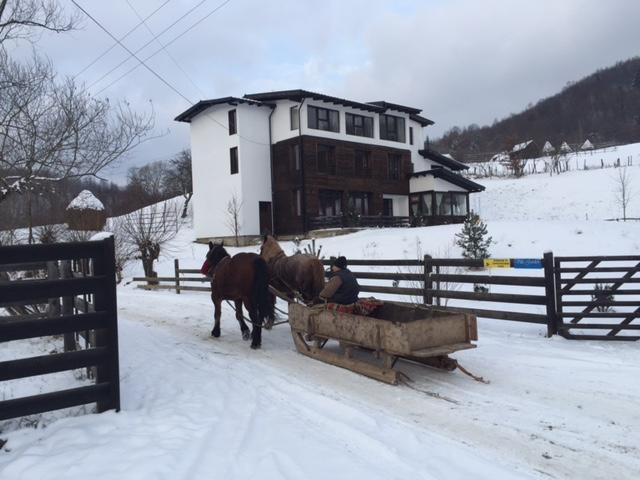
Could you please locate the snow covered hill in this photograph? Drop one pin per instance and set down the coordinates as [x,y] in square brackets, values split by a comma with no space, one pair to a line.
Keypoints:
[198,407]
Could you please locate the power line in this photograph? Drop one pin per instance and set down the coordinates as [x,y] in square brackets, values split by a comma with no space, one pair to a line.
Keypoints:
[149,42]
[157,75]
[160,49]
[171,57]
[121,38]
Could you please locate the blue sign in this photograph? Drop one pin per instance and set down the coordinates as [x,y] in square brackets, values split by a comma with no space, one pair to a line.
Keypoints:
[527,263]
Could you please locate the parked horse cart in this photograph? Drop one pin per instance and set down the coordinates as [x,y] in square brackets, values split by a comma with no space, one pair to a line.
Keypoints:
[371,345]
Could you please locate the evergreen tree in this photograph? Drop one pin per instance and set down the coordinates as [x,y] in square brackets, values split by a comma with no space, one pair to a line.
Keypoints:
[473,238]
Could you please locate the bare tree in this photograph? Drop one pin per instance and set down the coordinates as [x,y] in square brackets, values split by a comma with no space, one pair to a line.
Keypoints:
[178,180]
[146,231]
[24,19]
[51,131]
[147,183]
[623,190]
[517,165]
[234,207]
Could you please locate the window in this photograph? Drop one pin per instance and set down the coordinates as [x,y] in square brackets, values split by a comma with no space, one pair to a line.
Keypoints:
[421,204]
[330,203]
[443,204]
[459,203]
[394,166]
[392,128]
[232,122]
[297,201]
[294,153]
[411,135]
[294,117]
[414,202]
[359,125]
[233,157]
[323,119]
[359,202]
[362,163]
[387,207]
[326,158]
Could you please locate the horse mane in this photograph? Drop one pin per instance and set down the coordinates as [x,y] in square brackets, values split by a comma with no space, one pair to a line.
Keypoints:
[270,248]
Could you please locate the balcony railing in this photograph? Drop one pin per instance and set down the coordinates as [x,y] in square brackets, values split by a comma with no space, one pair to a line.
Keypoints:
[361,221]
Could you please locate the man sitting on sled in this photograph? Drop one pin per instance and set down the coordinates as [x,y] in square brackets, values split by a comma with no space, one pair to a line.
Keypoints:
[342,288]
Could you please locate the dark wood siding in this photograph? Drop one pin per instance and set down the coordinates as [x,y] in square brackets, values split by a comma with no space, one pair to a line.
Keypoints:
[287,179]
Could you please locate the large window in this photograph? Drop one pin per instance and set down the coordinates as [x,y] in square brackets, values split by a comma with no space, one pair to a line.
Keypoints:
[392,128]
[294,157]
[443,204]
[233,160]
[232,122]
[459,204]
[330,203]
[294,118]
[394,166]
[359,125]
[362,166]
[421,203]
[359,202]
[326,158]
[323,119]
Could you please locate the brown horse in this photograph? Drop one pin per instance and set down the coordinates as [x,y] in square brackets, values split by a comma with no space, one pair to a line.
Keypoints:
[301,272]
[244,279]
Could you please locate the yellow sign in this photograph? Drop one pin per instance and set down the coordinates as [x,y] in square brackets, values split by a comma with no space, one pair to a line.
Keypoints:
[497,263]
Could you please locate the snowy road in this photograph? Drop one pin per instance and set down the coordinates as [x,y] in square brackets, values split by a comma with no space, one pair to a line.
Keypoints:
[196,407]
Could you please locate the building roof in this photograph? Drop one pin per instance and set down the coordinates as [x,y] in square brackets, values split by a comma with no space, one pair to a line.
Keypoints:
[548,147]
[425,122]
[85,201]
[396,107]
[565,147]
[521,146]
[299,95]
[451,177]
[202,105]
[587,145]
[443,160]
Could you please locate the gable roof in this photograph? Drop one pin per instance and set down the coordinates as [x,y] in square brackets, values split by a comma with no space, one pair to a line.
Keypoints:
[442,160]
[521,146]
[548,147]
[451,177]
[202,105]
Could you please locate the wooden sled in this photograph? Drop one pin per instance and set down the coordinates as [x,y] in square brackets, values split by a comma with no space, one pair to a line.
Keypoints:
[372,345]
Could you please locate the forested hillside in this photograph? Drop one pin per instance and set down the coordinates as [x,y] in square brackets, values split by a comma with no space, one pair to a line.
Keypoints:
[603,107]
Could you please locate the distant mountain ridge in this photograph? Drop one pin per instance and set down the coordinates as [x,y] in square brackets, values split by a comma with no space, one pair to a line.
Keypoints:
[603,107]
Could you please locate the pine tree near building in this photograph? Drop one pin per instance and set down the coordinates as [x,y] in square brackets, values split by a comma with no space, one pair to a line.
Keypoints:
[473,239]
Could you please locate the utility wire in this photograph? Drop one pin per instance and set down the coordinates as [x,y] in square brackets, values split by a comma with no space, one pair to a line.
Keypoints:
[171,57]
[121,38]
[160,49]
[149,42]
[157,75]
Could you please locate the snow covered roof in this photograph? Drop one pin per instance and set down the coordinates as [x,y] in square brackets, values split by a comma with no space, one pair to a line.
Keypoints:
[565,147]
[521,146]
[85,201]
[587,145]
[500,157]
[548,148]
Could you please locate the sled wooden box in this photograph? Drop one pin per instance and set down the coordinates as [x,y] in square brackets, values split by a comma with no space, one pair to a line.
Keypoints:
[418,333]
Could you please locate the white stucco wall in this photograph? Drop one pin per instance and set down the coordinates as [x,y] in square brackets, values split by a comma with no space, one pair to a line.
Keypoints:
[400,204]
[429,183]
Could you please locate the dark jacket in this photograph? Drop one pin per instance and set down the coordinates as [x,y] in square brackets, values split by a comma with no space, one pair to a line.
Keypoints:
[347,291]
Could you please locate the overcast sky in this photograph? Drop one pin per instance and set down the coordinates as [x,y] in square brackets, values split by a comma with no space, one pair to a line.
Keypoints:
[461,61]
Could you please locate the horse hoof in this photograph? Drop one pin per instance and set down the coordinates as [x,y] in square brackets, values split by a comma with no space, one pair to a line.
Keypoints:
[255,347]
[246,335]
[215,332]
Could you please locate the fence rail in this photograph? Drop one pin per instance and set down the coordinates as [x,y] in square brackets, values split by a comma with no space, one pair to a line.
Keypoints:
[430,281]
[101,317]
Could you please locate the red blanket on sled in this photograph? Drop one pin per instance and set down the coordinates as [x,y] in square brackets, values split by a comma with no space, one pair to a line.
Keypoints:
[364,306]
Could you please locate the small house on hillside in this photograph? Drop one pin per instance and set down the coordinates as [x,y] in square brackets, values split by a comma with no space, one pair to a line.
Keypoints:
[86,212]
[565,148]
[527,149]
[587,145]
[548,148]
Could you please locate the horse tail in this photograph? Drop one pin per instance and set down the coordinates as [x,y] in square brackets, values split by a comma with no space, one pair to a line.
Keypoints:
[262,299]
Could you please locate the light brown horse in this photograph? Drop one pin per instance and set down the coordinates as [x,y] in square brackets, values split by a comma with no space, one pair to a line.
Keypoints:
[301,273]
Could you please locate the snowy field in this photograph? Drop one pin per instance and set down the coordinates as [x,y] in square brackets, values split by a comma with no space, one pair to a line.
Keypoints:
[197,407]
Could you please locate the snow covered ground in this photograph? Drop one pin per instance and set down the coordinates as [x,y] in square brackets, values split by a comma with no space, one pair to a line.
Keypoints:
[197,407]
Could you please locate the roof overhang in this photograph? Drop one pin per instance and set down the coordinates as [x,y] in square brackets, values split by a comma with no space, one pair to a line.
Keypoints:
[202,105]
[454,178]
[442,160]
[299,95]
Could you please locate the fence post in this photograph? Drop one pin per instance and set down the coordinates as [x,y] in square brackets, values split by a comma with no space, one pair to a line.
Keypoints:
[427,297]
[438,285]
[550,293]
[105,301]
[67,307]
[176,266]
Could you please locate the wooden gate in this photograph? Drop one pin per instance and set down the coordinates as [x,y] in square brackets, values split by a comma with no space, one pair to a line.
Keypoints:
[598,294]
[103,355]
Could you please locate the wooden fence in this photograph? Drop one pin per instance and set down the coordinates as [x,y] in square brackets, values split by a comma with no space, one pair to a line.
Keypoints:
[103,318]
[435,281]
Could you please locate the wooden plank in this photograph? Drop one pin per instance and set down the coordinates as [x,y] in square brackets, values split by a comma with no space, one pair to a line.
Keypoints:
[20,329]
[599,280]
[20,407]
[600,326]
[591,314]
[42,253]
[389,276]
[600,258]
[490,297]
[22,267]
[189,270]
[456,262]
[613,303]
[627,320]
[490,279]
[176,267]
[502,315]
[599,269]
[427,284]
[172,287]
[29,289]
[620,338]
[380,263]
[550,293]
[392,290]
[590,292]
[59,362]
